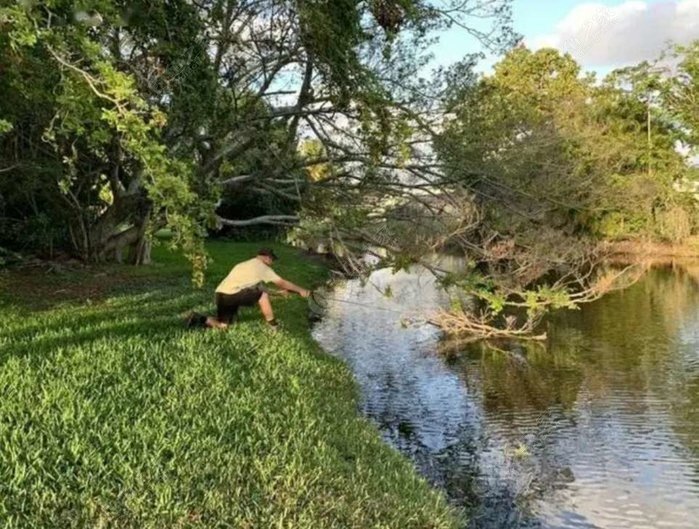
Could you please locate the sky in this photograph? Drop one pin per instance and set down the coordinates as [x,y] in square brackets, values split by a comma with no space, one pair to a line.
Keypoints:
[601,35]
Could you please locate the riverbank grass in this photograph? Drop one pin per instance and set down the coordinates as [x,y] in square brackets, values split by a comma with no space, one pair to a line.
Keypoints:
[114,415]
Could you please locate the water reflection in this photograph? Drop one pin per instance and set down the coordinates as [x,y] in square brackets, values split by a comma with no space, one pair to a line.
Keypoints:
[597,428]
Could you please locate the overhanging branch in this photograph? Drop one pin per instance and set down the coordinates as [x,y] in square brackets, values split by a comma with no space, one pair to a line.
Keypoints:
[274,220]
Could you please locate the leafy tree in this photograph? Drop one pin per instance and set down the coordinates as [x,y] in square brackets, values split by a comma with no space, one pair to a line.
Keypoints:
[639,158]
[150,113]
[536,165]
[103,159]
[563,152]
[682,94]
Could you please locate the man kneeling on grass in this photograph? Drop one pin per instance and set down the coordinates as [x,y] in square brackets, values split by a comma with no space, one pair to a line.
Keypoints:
[242,287]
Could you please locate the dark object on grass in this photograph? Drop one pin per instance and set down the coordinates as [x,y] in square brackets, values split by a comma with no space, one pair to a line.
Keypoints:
[196,321]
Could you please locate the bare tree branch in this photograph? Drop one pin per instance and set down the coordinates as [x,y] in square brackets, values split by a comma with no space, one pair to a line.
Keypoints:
[275,220]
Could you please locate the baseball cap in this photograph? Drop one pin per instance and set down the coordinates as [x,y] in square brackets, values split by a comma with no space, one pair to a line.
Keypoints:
[267,252]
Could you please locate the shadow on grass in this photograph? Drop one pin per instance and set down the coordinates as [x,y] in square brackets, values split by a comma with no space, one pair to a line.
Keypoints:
[71,315]
[156,316]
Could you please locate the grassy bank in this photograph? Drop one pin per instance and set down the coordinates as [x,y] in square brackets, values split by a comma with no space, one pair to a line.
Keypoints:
[113,415]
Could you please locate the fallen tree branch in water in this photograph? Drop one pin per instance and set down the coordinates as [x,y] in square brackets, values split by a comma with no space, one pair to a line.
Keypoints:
[518,314]
[466,327]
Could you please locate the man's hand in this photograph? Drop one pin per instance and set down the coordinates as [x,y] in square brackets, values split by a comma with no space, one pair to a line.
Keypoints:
[288,285]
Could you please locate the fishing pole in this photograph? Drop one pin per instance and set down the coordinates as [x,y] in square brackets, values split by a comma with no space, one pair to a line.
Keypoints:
[372,307]
[405,319]
[327,298]
[347,302]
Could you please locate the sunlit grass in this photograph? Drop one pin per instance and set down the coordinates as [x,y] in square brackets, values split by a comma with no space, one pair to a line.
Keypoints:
[113,415]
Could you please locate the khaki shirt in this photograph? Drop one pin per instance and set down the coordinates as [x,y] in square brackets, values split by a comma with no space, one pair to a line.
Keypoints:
[245,275]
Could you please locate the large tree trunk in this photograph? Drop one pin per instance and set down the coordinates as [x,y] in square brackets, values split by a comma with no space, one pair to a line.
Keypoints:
[139,252]
[122,227]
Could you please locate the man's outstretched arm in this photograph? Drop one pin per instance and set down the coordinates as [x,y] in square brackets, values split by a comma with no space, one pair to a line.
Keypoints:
[291,287]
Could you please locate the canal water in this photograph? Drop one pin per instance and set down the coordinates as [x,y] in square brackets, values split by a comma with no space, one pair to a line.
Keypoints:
[597,428]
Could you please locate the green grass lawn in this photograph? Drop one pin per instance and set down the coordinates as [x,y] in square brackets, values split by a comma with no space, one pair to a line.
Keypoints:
[113,415]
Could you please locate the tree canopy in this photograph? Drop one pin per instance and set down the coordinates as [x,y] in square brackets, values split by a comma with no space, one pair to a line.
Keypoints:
[124,117]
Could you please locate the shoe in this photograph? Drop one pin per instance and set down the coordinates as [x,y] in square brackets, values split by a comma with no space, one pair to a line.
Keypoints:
[195,320]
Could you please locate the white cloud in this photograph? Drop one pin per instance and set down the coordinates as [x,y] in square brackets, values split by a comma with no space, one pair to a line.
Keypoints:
[598,35]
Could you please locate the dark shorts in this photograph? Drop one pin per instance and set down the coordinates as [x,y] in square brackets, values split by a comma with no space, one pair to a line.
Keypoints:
[227,305]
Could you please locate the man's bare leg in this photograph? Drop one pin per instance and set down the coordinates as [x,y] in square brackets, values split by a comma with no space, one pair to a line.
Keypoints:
[266,308]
